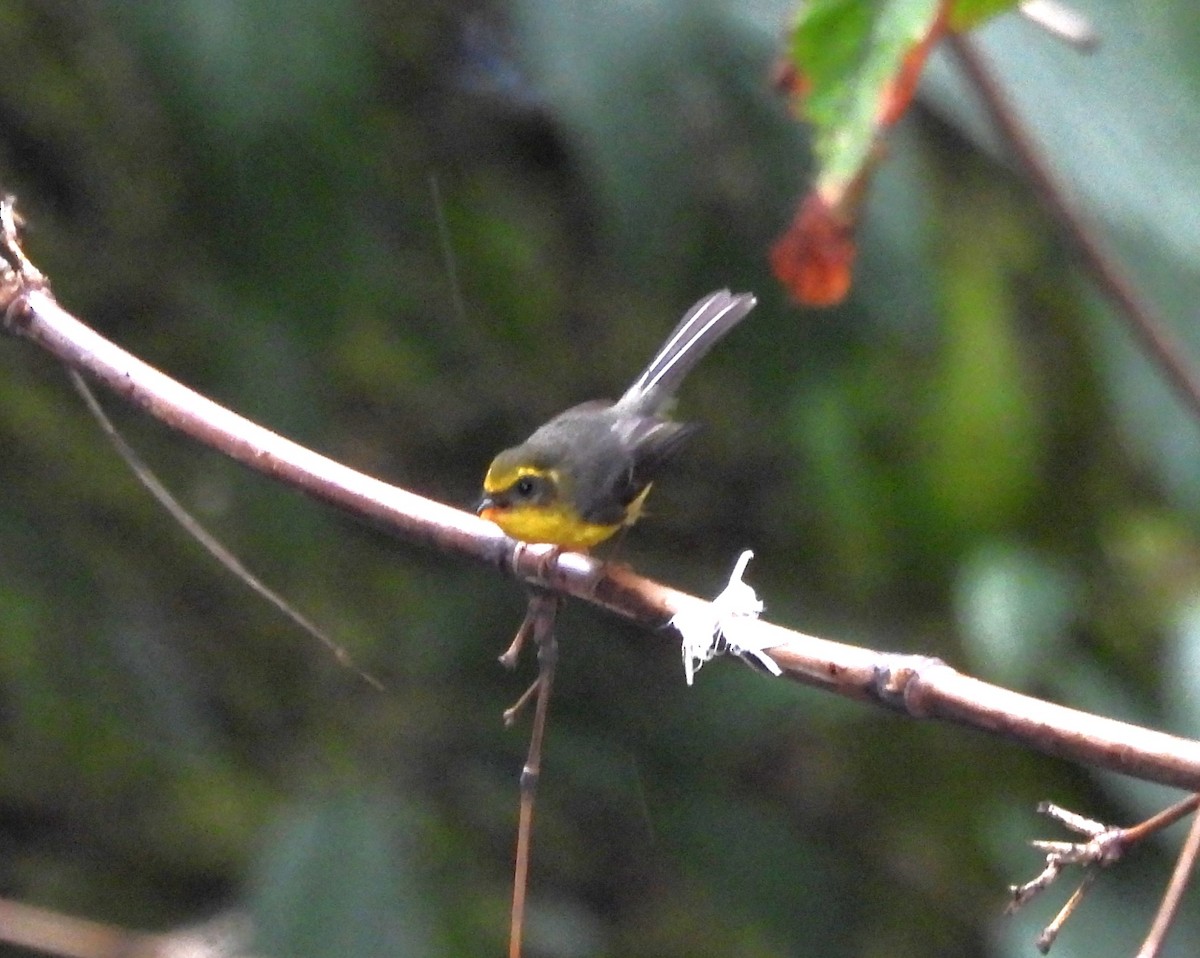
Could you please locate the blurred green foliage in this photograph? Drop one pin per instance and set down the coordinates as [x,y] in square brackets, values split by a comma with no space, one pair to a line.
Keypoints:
[405,234]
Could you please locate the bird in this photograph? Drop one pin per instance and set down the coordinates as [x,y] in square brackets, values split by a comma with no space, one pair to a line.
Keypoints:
[585,474]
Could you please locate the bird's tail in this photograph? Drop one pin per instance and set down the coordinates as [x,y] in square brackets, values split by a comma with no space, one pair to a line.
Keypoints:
[702,325]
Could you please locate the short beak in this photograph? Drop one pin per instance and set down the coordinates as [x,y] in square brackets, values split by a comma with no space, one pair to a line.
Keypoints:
[484,505]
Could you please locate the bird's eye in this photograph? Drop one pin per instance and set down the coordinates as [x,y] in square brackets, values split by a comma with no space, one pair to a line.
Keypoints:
[525,487]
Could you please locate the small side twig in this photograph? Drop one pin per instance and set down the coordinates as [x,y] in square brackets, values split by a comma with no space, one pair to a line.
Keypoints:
[1185,865]
[1105,845]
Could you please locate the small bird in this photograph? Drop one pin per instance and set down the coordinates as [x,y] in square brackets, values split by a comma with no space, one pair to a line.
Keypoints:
[585,474]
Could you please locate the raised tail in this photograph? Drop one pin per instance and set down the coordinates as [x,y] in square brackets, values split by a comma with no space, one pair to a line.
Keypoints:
[702,325]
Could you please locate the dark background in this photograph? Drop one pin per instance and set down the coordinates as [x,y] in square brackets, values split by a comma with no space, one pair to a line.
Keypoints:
[405,234]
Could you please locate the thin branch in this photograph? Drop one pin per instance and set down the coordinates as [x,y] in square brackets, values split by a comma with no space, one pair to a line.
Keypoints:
[1106,845]
[145,475]
[543,611]
[1160,820]
[915,685]
[28,926]
[1155,336]
[1061,22]
[1173,897]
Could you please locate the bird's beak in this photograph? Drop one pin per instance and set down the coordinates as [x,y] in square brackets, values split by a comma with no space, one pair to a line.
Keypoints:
[485,505]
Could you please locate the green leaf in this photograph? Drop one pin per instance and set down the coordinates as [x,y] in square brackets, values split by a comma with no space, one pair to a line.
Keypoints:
[847,54]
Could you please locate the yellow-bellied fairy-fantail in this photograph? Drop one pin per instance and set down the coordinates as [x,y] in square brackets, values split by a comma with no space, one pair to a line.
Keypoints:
[586,472]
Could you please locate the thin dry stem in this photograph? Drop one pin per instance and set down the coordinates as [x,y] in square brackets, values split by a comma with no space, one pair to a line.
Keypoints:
[543,613]
[1185,865]
[145,475]
[1155,337]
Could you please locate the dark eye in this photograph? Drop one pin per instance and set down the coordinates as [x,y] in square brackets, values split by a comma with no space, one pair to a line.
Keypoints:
[525,487]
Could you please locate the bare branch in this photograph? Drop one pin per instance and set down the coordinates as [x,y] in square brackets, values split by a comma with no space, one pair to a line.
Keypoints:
[54,933]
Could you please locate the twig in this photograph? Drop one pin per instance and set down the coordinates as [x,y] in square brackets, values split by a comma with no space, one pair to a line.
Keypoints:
[508,658]
[1155,336]
[54,933]
[1106,845]
[1061,22]
[192,526]
[49,932]
[1173,896]
[543,612]
[1164,819]
[1045,941]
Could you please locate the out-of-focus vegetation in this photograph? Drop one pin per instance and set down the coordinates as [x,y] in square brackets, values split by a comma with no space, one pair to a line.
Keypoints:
[404,234]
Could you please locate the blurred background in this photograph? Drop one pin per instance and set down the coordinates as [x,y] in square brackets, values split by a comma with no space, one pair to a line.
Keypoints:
[405,234]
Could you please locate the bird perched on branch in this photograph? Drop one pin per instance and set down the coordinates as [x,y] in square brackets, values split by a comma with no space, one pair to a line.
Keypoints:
[585,474]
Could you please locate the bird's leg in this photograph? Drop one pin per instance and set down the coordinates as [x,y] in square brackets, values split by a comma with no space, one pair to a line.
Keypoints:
[508,658]
[539,619]
[513,711]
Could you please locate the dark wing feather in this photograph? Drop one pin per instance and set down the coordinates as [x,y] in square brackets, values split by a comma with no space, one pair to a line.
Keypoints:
[653,443]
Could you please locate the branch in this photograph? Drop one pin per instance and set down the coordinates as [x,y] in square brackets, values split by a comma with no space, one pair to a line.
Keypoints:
[1155,337]
[917,686]
[54,933]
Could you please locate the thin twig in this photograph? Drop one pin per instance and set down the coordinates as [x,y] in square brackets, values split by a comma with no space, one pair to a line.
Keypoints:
[508,658]
[47,932]
[1061,22]
[1050,933]
[1164,819]
[1156,338]
[543,612]
[1173,896]
[192,526]
[1105,845]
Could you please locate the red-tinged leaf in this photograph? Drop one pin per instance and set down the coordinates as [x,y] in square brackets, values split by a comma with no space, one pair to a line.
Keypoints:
[814,259]
[898,93]
[851,71]
[850,53]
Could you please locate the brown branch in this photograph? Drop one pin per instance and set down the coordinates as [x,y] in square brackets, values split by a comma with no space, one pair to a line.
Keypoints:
[27,926]
[917,686]
[1155,336]
[54,933]
[37,317]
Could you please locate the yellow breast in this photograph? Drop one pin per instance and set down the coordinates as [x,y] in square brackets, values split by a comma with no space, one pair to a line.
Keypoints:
[559,524]
[556,525]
